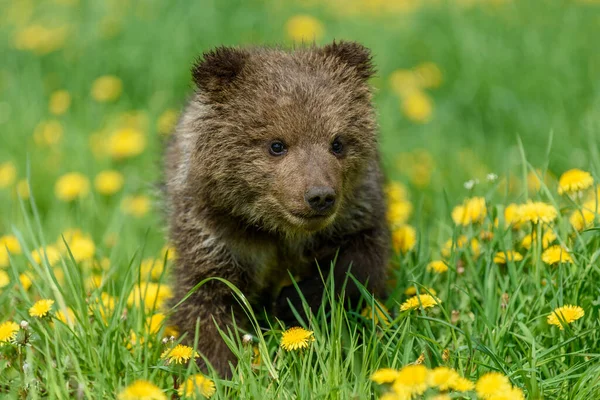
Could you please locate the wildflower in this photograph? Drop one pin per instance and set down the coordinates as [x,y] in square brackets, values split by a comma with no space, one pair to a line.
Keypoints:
[107,88]
[438,266]
[398,212]
[537,212]
[547,238]
[66,316]
[41,308]
[137,206]
[471,211]
[429,75]
[4,279]
[378,314]
[566,314]
[25,281]
[422,300]
[443,378]
[125,143]
[412,379]
[82,248]
[109,182]
[512,215]
[8,174]
[396,192]
[462,243]
[152,269]
[296,338]
[470,184]
[8,245]
[556,254]
[72,186]
[152,295]
[462,384]
[491,177]
[142,390]
[491,384]
[23,190]
[197,384]
[179,354]
[40,39]
[48,133]
[574,180]
[503,256]
[166,122]
[534,183]
[404,238]
[417,107]
[48,253]
[403,82]
[60,101]
[584,218]
[8,332]
[304,28]
[411,291]
[384,375]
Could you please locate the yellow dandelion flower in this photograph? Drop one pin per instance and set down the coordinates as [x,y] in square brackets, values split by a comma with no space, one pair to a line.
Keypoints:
[556,254]
[512,216]
[462,243]
[152,269]
[23,189]
[167,121]
[60,101]
[537,212]
[584,218]
[9,244]
[109,182]
[48,133]
[25,280]
[396,191]
[442,396]
[429,75]
[574,180]
[126,143]
[438,266]
[8,174]
[66,316]
[8,332]
[547,238]
[155,322]
[82,248]
[378,314]
[137,206]
[296,338]
[152,295]
[72,186]
[40,39]
[442,378]
[502,257]
[462,384]
[404,238]
[567,314]
[104,304]
[411,291]
[4,279]
[472,211]
[421,300]
[304,28]
[412,379]
[404,82]
[491,384]
[179,354]
[41,308]
[399,212]
[107,88]
[197,384]
[417,106]
[384,375]
[142,390]
[49,253]
[169,252]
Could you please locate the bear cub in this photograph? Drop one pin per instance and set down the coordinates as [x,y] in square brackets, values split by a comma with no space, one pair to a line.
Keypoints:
[272,169]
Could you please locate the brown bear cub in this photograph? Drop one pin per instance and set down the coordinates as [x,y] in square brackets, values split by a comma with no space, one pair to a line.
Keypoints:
[273,168]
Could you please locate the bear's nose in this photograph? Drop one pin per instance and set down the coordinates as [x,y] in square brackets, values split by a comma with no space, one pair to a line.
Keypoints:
[320,198]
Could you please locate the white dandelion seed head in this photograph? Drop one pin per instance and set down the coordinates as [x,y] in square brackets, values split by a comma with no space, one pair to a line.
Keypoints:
[491,177]
[470,184]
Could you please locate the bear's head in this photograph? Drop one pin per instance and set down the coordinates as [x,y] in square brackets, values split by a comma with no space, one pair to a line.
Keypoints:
[283,137]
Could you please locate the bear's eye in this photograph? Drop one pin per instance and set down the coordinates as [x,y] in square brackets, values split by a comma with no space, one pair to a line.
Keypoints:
[337,147]
[277,148]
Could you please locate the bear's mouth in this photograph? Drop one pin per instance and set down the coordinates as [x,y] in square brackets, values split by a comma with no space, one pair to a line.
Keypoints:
[310,222]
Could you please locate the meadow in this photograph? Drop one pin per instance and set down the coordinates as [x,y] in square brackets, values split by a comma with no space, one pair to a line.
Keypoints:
[489,114]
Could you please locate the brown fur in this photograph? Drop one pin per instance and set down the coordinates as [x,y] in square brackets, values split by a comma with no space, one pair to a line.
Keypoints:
[239,213]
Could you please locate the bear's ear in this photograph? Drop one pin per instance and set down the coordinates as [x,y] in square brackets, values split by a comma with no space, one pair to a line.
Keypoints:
[217,69]
[354,55]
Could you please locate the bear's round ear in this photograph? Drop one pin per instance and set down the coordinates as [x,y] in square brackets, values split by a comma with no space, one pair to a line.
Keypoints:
[216,69]
[354,55]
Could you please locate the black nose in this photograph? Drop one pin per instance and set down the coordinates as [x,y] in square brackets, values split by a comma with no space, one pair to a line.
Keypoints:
[320,198]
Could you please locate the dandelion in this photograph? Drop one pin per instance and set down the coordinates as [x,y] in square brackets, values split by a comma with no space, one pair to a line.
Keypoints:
[412,379]
[566,314]
[438,266]
[462,384]
[66,316]
[417,107]
[470,184]
[462,243]
[547,238]
[422,300]
[304,28]
[470,212]
[4,279]
[398,212]
[22,189]
[59,103]
[48,133]
[82,248]
[403,82]
[25,281]
[8,174]
[107,88]
[72,186]
[8,332]
[109,182]
[41,308]
[584,218]
[142,390]
[152,269]
[556,254]
[197,384]
[492,384]
[49,253]
[443,378]
[179,354]
[137,206]
[503,257]
[125,143]
[378,314]
[537,212]
[491,177]
[411,291]
[574,180]
[166,122]
[152,295]
[512,215]
[9,245]
[429,75]
[384,375]
[404,238]
[296,338]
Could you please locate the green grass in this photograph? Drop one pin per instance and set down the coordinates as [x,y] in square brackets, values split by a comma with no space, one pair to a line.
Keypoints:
[520,94]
